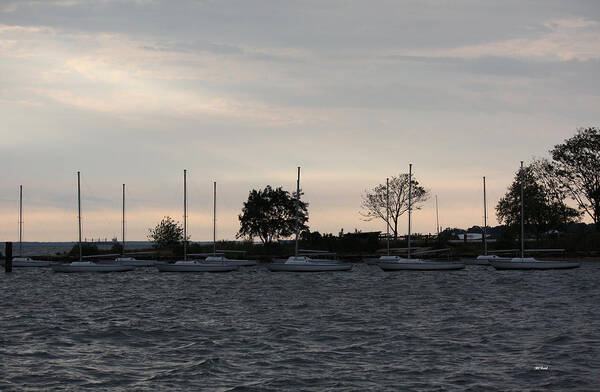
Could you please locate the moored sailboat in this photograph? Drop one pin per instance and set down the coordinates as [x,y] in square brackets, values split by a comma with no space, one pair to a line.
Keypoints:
[186,265]
[485,258]
[22,261]
[303,262]
[124,259]
[87,266]
[397,263]
[218,256]
[525,263]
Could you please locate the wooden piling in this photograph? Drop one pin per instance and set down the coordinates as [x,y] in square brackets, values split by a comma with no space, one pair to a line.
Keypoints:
[8,257]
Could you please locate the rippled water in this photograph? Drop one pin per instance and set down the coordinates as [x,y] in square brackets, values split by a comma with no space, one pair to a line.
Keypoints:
[253,330]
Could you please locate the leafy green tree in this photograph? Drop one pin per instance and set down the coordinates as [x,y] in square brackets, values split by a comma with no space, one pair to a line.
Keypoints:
[168,233]
[542,207]
[374,201]
[576,164]
[270,214]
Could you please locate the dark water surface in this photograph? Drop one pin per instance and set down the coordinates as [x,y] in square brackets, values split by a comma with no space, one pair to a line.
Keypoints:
[253,330]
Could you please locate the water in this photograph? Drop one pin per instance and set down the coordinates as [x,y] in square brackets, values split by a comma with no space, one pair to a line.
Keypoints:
[254,330]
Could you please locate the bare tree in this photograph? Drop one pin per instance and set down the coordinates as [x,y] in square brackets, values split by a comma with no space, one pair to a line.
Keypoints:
[374,201]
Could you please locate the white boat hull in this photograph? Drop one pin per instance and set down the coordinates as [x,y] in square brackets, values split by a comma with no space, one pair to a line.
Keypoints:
[241,263]
[226,261]
[133,263]
[532,265]
[475,262]
[420,266]
[308,267]
[91,268]
[196,267]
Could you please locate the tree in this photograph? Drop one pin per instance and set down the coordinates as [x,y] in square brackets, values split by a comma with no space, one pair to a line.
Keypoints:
[545,174]
[270,214]
[166,234]
[374,201]
[543,208]
[576,163]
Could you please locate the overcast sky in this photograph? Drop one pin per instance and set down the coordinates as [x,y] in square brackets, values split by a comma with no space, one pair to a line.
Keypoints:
[243,92]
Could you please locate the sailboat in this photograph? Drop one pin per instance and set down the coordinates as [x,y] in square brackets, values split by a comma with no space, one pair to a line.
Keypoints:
[22,261]
[302,262]
[127,260]
[522,263]
[396,263]
[186,265]
[87,266]
[218,256]
[485,258]
[388,257]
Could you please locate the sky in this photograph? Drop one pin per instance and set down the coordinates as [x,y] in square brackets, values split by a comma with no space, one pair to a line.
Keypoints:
[243,92]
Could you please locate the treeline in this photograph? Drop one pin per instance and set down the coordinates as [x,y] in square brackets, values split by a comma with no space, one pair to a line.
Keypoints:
[558,192]
[575,239]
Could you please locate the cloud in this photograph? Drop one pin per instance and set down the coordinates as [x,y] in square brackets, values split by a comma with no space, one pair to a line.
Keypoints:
[114,74]
[243,92]
[566,40]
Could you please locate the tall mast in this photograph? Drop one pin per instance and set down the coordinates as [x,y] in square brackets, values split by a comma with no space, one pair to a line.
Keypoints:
[184,214]
[409,203]
[484,220]
[437,217]
[123,247]
[215,218]
[79,214]
[522,225]
[20,220]
[387,216]
[297,211]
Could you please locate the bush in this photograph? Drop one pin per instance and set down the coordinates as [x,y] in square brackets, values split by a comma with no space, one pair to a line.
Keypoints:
[167,233]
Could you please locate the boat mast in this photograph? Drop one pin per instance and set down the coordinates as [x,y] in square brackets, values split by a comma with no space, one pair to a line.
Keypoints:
[184,214]
[215,218]
[20,220]
[387,209]
[123,247]
[437,217]
[522,224]
[484,220]
[297,211]
[79,214]
[409,202]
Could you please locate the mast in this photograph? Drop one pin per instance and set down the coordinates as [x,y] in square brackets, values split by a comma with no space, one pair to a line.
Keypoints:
[484,220]
[215,218]
[409,203]
[437,217]
[20,220]
[522,225]
[387,209]
[297,211]
[184,214]
[123,228]
[79,214]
